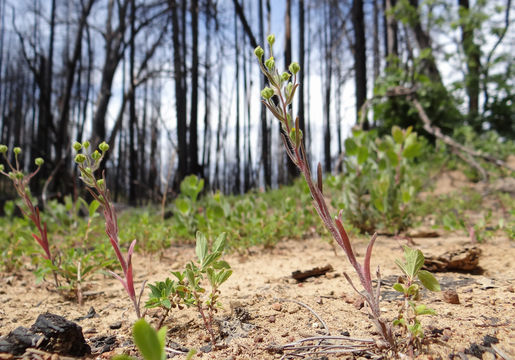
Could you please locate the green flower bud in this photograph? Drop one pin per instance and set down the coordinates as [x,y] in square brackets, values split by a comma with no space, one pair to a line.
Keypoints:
[293,137]
[2,167]
[289,88]
[39,161]
[294,67]
[270,63]
[80,158]
[100,183]
[96,155]
[19,175]
[85,144]
[88,170]
[17,150]
[285,76]
[267,93]
[77,146]
[103,146]
[3,149]
[271,39]
[12,175]
[259,52]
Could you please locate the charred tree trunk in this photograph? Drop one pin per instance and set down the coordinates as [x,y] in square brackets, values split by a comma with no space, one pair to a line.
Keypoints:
[360,58]
[193,132]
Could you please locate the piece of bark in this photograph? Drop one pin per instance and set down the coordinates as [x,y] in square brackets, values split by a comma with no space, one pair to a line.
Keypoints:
[51,333]
[466,259]
[318,271]
[61,336]
[18,340]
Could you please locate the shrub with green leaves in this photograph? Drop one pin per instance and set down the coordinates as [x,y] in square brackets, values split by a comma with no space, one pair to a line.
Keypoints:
[189,286]
[381,180]
[409,286]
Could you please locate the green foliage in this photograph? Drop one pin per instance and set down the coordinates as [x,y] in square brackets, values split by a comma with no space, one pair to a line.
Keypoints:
[381,180]
[408,315]
[150,343]
[189,286]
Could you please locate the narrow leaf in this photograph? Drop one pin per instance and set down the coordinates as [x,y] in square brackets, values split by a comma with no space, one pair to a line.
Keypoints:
[147,341]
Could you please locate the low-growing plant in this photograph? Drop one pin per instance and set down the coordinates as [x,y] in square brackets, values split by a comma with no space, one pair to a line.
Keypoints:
[278,99]
[408,318]
[88,163]
[382,180]
[189,288]
[21,182]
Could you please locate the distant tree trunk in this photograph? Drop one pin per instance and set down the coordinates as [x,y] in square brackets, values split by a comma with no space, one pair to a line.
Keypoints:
[424,42]
[291,167]
[265,133]
[360,58]
[193,132]
[377,56]
[154,136]
[133,158]
[328,68]
[206,149]
[390,33]
[180,98]
[237,174]
[473,59]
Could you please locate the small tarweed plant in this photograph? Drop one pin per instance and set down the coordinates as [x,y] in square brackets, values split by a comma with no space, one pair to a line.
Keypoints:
[88,163]
[189,286]
[408,318]
[278,97]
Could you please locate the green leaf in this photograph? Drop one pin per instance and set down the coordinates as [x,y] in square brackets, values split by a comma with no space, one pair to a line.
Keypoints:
[398,287]
[392,156]
[378,203]
[397,134]
[223,276]
[147,341]
[424,310]
[412,150]
[350,147]
[414,260]
[401,266]
[161,336]
[406,196]
[219,244]
[362,154]
[222,264]
[428,280]
[92,209]
[201,246]
[182,205]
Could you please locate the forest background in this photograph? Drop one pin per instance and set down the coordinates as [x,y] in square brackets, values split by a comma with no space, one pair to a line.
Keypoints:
[173,86]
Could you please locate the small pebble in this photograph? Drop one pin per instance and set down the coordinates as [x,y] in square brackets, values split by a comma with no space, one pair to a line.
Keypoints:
[271,318]
[451,296]
[277,306]
[258,339]
[116,325]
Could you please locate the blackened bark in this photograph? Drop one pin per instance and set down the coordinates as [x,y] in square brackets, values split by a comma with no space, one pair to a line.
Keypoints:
[360,59]
[194,166]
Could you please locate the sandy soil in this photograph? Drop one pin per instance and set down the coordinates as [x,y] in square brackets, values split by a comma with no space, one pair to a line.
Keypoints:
[259,309]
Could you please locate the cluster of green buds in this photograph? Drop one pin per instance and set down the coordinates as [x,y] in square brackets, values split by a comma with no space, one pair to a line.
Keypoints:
[278,96]
[15,173]
[88,162]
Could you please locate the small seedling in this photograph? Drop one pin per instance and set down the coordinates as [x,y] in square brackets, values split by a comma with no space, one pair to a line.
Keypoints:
[188,288]
[409,287]
[88,163]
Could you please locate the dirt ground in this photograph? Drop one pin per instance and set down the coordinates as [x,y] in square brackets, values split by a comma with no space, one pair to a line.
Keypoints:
[261,301]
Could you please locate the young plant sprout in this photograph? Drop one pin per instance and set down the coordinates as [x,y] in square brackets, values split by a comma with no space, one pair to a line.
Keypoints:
[282,87]
[88,163]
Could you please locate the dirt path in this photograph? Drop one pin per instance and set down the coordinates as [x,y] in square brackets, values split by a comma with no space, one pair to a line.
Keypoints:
[258,318]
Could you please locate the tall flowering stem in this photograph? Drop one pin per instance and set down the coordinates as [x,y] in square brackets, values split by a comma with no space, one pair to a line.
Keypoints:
[278,99]
[21,182]
[88,164]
